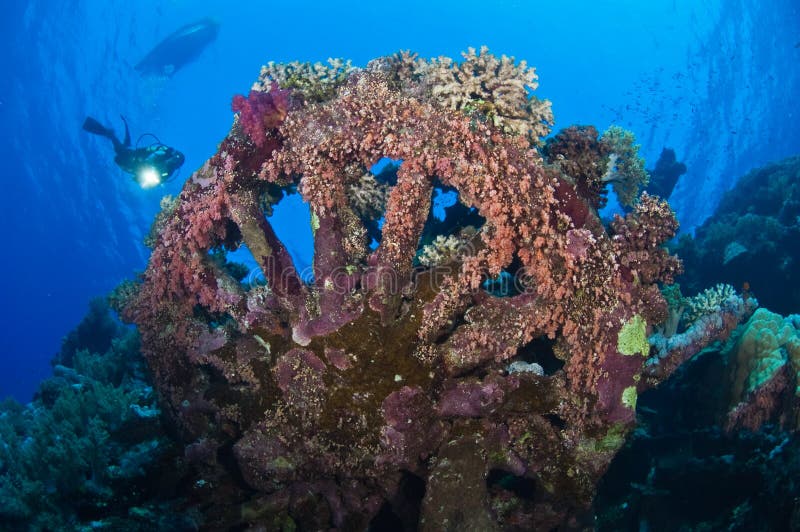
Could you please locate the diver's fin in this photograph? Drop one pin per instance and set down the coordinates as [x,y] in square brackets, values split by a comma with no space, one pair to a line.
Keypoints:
[127,142]
[93,126]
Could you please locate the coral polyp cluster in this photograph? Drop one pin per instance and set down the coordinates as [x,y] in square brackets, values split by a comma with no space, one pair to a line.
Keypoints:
[328,396]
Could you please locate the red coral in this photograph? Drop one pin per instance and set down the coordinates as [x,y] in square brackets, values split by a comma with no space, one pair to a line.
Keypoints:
[639,237]
[771,402]
[578,152]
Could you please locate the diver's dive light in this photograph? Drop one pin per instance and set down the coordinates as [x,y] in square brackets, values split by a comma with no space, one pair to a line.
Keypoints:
[148,177]
[157,163]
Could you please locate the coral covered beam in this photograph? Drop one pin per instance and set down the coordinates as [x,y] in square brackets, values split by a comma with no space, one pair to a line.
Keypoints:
[407,359]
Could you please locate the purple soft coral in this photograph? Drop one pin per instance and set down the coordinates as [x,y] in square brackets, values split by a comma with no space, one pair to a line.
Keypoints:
[261,111]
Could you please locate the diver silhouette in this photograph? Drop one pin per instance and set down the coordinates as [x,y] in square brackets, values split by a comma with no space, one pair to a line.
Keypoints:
[149,165]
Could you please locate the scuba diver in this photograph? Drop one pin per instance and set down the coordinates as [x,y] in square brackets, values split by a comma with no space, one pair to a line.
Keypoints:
[150,165]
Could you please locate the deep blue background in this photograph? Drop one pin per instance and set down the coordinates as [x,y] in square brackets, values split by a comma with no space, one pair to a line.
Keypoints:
[717,82]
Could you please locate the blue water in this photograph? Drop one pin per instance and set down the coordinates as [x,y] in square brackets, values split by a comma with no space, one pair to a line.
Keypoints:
[717,82]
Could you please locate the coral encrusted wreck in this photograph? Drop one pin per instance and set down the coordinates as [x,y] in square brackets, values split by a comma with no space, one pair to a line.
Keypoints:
[381,388]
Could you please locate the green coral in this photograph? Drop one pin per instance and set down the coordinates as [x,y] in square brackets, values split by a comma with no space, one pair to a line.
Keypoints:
[611,441]
[676,305]
[761,347]
[629,397]
[673,296]
[625,170]
[92,426]
[632,338]
[314,222]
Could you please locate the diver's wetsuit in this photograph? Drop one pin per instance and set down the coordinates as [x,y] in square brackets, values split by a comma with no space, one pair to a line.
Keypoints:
[161,158]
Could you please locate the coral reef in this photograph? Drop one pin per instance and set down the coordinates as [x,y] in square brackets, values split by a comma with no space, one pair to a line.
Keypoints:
[707,302]
[722,309]
[494,85]
[752,239]
[368,197]
[593,161]
[442,250]
[625,170]
[329,398]
[167,206]
[716,447]
[765,359]
[85,453]
[579,154]
[734,443]
[496,89]
[259,111]
[313,82]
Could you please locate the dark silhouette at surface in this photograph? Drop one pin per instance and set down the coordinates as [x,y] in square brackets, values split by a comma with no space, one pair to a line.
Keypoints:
[179,48]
